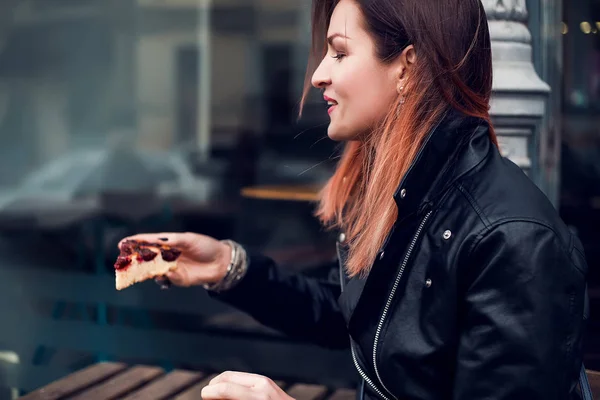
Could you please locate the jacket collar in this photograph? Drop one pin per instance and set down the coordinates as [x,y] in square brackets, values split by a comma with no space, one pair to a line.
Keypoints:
[453,147]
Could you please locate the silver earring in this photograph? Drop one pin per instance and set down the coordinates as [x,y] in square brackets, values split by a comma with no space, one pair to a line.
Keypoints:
[402,98]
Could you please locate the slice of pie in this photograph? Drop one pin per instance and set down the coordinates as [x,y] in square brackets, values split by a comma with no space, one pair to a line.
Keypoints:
[139,261]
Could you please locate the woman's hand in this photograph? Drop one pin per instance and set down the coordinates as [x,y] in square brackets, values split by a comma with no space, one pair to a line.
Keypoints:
[243,386]
[202,260]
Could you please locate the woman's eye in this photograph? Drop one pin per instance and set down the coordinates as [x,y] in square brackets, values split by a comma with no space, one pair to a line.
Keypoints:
[339,56]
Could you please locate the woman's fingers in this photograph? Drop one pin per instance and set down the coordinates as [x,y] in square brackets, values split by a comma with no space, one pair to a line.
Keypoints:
[244,379]
[179,277]
[163,282]
[228,391]
[171,238]
[242,386]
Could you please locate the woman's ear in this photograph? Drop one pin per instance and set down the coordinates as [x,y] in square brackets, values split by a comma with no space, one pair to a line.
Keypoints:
[399,76]
[404,64]
[409,56]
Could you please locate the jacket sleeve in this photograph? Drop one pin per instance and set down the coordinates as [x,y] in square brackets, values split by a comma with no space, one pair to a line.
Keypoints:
[522,316]
[301,307]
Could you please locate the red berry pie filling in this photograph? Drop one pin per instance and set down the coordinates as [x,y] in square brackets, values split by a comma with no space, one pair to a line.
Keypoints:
[144,252]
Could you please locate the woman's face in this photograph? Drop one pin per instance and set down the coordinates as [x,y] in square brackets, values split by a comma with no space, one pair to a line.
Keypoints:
[359,88]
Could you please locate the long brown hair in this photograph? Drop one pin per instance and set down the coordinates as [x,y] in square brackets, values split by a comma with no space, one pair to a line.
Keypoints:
[453,69]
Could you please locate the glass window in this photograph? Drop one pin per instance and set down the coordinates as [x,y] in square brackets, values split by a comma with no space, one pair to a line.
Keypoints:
[192,102]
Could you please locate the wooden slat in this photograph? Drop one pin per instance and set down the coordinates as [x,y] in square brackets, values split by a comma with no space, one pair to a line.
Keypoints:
[594,378]
[592,373]
[76,381]
[194,393]
[343,394]
[301,391]
[166,386]
[121,384]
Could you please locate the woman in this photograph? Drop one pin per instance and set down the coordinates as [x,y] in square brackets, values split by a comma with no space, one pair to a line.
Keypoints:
[459,279]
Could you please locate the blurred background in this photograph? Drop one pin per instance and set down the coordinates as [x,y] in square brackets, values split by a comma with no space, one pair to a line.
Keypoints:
[125,116]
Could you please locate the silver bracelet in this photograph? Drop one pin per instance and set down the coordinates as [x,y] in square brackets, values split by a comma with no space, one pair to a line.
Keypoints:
[236,269]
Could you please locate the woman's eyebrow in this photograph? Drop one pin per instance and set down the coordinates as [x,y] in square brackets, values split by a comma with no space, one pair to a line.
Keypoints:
[335,35]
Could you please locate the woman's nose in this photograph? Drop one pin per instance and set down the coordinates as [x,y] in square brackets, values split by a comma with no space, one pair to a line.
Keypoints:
[321,78]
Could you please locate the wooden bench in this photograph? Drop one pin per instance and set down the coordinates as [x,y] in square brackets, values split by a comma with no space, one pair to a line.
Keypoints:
[112,380]
[107,380]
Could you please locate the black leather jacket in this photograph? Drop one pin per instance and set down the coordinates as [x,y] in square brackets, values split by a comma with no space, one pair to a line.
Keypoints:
[478,292]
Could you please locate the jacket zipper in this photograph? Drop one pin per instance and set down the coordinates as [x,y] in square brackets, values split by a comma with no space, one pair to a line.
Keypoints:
[362,373]
[391,296]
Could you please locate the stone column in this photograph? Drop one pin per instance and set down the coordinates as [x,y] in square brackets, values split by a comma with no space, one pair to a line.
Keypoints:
[519,95]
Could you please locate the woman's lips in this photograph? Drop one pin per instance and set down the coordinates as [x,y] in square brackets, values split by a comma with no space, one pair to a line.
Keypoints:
[331,102]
